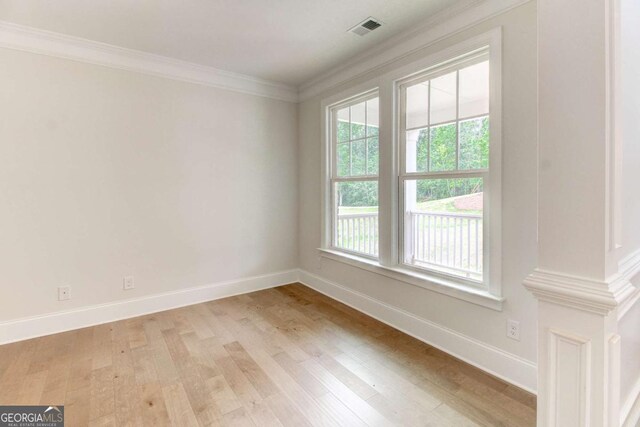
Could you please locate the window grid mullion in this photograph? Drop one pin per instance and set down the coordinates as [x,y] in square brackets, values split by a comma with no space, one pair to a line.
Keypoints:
[428,165]
[350,144]
[355,140]
[356,178]
[366,139]
[448,122]
[458,120]
[448,175]
[335,144]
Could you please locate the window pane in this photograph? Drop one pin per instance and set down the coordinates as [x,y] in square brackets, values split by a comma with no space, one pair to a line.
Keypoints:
[372,117]
[343,125]
[343,159]
[443,98]
[417,150]
[443,230]
[358,157]
[442,149]
[356,217]
[357,120]
[474,144]
[373,159]
[474,90]
[417,108]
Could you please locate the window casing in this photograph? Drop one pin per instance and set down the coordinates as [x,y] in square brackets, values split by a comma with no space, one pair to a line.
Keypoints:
[444,136]
[396,256]
[354,175]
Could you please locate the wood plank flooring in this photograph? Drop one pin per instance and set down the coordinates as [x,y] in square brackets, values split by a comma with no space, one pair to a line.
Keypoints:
[287,356]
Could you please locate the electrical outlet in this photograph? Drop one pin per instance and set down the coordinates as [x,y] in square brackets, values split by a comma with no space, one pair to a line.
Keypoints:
[513,329]
[64,293]
[128,283]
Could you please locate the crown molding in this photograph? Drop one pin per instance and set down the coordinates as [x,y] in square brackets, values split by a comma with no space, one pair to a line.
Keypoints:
[595,296]
[457,18]
[28,39]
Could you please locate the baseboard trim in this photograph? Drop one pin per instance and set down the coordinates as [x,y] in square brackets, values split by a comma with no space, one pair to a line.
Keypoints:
[630,411]
[495,361]
[62,321]
[504,365]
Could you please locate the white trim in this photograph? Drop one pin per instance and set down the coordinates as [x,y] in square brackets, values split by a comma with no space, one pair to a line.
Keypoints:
[579,379]
[585,294]
[32,327]
[327,155]
[19,37]
[594,296]
[332,153]
[504,365]
[486,46]
[461,16]
[457,18]
[430,282]
[613,231]
[388,260]
[629,266]
[628,269]
[612,379]
[630,411]
[628,303]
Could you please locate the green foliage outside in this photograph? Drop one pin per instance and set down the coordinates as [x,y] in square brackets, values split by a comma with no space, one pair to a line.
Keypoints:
[474,154]
[359,193]
[474,144]
[436,151]
[363,153]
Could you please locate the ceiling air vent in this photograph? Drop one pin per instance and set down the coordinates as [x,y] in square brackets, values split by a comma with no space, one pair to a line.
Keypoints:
[366,26]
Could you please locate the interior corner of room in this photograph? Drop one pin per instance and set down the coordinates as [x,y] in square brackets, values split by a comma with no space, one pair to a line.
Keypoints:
[337,213]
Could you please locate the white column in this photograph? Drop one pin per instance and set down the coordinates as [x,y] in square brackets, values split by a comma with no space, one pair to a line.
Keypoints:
[577,283]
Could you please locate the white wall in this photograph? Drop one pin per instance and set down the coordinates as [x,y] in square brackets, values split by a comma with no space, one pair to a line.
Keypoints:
[630,115]
[519,200]
[107,173]
[630,102]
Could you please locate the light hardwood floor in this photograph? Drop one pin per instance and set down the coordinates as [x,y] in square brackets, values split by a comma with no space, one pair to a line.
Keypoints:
[285,356]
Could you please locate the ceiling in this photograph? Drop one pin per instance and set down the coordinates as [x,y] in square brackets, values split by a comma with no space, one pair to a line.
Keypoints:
[288,41]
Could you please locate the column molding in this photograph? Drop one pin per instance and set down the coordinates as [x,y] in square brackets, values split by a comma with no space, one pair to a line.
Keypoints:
[580,286]
[594,296]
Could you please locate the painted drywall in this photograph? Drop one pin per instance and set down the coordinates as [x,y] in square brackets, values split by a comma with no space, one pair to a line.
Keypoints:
[107,173]
[630,103]
[519,199]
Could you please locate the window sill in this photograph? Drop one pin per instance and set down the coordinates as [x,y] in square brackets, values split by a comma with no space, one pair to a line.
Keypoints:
[442,286]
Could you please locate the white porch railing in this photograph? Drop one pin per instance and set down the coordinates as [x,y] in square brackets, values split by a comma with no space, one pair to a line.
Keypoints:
[451,240]
[358,233]
[438,239]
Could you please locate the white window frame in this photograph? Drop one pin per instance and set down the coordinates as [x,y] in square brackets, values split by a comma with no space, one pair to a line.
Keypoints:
[484,174]
[390,192]
[333,154]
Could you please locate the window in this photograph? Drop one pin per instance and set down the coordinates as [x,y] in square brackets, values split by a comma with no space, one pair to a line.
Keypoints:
[444,136]
[354,176]
[431,143]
